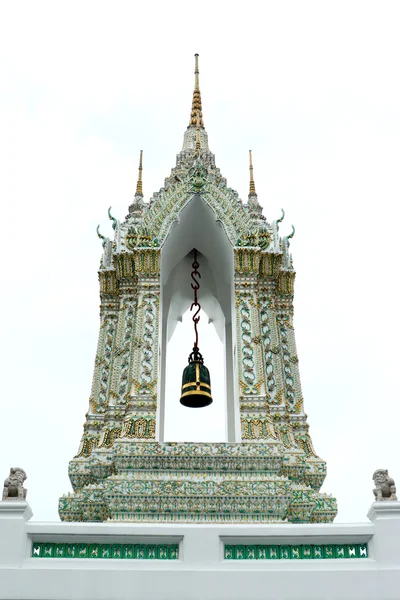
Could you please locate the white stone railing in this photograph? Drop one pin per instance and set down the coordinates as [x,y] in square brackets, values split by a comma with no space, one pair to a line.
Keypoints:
[178,561]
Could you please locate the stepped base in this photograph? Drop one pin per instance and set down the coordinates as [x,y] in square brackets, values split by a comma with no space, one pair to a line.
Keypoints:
[198,483]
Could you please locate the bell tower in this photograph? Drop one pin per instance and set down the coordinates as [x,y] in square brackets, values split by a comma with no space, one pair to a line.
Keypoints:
[268,471]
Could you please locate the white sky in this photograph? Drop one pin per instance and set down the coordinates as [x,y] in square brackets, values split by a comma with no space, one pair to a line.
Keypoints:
[313,89]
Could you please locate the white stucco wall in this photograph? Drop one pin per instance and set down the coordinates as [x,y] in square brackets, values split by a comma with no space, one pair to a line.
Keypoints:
[201,572]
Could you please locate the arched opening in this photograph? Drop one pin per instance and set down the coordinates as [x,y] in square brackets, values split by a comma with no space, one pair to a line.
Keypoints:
[197,228]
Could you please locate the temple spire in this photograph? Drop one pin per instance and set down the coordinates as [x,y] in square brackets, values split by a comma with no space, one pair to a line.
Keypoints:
[137,206]
[255,208]
[195,137]
[196,102]
[252,189]
[139,186]
[198,139]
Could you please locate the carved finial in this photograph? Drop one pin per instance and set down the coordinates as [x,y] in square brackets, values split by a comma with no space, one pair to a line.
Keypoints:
[196,102]
[139,187]
[291,234]
[281,218]
[14,485]
[385,487]
[102,237]
[113,219]
[252,190]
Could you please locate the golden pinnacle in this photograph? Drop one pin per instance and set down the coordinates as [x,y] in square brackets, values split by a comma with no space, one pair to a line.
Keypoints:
[252,190]
[139,186]
[196,102]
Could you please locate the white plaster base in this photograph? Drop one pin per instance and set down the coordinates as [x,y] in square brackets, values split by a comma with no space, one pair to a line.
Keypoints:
[201,573]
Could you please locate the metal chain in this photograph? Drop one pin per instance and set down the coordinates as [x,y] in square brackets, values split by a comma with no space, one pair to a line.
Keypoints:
[195,303]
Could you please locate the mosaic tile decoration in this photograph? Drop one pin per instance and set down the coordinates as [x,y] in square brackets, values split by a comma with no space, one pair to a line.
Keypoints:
[121,473]
[108,551]
[325,551]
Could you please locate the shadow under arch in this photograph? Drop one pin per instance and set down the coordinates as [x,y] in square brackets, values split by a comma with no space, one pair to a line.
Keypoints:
[197,228]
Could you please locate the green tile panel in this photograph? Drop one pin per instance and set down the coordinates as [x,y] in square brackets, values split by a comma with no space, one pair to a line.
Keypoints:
[108,551]
[314,551]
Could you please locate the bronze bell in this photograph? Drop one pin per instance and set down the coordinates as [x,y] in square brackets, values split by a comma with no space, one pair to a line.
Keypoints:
[196,385]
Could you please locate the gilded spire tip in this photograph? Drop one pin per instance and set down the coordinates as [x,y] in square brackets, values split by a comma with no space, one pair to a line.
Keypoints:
[196,72]
[196,102]
[139,186]
[252,190]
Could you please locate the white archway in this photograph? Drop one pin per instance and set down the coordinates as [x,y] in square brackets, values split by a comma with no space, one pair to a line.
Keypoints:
[197,228]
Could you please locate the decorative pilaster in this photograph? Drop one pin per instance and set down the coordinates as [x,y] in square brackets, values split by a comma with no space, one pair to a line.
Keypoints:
[140,420]
[256,423]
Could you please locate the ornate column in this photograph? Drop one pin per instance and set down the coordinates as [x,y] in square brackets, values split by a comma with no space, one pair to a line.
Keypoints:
[98,402]
[140,420]
[256,424]
[118,397]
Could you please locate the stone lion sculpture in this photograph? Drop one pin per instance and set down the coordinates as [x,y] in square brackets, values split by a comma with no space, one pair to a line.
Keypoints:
[14,485]
[385,488]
